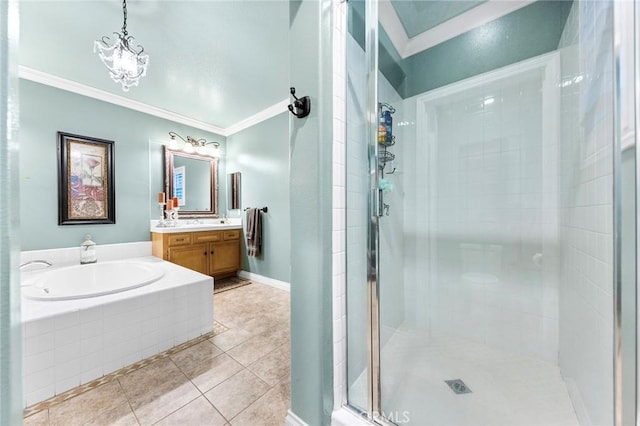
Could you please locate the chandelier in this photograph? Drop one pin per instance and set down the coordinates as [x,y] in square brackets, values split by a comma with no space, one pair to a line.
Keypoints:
[194,146]
[126,64]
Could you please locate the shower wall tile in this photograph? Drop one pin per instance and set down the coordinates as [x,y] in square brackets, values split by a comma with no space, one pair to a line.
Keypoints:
[339,202]
[585,173]
[476,176]
[356,217]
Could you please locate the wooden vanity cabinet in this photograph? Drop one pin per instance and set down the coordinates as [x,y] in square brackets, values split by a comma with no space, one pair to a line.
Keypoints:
[215,253]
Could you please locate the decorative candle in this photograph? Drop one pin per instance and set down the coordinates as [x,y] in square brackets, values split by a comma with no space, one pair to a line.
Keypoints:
[176,203]
[161,198]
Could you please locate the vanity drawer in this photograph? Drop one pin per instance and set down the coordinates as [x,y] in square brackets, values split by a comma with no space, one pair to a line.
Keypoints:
[206,237]
[233,234]
[178,239]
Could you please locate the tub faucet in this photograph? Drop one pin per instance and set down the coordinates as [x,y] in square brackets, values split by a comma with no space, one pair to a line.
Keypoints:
[35,262]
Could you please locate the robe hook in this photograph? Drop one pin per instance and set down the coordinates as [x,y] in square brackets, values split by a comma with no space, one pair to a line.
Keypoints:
[302,106]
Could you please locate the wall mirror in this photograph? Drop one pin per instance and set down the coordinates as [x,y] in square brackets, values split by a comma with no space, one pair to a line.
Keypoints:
[193,179]
[233,191]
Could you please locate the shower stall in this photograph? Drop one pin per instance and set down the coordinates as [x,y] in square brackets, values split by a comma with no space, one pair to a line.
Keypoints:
[491,249]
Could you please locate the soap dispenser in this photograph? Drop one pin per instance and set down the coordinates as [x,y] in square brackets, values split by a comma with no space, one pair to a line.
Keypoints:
[88,251]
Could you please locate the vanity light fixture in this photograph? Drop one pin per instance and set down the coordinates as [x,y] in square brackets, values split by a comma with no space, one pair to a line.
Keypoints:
[126,64]
[191,145]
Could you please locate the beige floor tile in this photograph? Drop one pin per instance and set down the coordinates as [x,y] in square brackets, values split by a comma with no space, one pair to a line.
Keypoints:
[230,338]
[38,419]
[88,406]
[157,390]
[253,349]
[273,368]
[211,372]
[237,393]
[196,354]
[122,415]
[199,412]
[262,324]
[269,410]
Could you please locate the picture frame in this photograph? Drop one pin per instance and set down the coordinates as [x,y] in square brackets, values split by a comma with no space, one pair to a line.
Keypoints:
[86,191]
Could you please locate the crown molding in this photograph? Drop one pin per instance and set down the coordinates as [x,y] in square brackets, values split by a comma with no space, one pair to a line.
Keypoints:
[392,25]
[47,79]
[263,115]
[473,18]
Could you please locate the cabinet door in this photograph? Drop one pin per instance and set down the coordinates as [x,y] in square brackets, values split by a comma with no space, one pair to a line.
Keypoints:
[192,257]
[226,257]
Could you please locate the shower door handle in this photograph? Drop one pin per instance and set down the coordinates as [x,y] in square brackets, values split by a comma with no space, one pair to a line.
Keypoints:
[377,203]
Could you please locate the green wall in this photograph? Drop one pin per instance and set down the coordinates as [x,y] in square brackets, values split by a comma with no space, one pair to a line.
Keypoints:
[525,33]
[311,147]
[261,154]
[138,140]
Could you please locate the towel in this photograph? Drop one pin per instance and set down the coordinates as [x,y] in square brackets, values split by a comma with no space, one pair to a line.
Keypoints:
[254,232]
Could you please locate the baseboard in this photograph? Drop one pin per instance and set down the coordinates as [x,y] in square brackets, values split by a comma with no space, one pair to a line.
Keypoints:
[293,420]
[345,417]
[282,285]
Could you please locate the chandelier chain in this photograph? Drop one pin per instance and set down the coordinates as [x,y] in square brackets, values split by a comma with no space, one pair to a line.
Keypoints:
[124,12]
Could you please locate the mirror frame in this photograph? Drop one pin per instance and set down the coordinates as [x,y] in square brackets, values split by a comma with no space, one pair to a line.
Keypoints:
[169,154]
[234,182]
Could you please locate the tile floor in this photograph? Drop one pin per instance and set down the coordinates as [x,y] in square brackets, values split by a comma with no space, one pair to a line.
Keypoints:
[237,377]
[508,389]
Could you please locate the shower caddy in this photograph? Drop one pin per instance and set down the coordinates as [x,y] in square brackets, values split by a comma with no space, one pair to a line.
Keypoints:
[385,140]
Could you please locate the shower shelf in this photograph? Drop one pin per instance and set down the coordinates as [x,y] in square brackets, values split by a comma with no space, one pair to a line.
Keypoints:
[385,140]
[389,142]
[386,156]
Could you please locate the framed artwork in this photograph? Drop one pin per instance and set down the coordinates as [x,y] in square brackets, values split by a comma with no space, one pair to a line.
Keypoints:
[86,193]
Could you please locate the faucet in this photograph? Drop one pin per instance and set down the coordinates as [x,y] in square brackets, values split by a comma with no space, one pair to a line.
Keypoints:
[35,262]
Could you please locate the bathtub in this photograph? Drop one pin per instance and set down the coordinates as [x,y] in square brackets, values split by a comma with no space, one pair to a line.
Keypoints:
[71,341]
[96,279]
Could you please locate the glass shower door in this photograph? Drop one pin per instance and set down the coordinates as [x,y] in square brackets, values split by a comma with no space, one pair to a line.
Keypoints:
[487,238]
[475,314]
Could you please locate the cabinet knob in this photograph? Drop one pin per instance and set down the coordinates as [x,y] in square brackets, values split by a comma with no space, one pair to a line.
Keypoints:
[211,251]
[205,253]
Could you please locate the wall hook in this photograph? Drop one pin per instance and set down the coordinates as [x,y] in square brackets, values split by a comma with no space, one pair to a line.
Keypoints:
[302,106]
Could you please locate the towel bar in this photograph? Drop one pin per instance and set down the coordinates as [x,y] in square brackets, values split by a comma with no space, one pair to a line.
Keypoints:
[264,209]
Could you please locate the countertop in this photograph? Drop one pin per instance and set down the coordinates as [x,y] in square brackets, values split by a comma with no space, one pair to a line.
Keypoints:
[196,227]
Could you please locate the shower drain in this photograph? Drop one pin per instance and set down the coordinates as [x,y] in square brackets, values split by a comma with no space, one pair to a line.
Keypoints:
[458,386]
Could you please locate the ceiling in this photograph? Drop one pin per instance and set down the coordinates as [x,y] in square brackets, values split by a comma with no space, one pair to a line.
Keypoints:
[218,62]
[414,26]
[420,16]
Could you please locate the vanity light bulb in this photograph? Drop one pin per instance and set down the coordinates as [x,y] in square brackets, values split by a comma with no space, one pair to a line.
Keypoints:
[188,148]
[202,150]
[173,144]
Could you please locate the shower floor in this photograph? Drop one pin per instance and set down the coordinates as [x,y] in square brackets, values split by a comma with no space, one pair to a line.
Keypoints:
[506,389]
